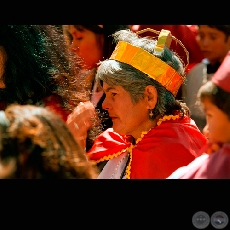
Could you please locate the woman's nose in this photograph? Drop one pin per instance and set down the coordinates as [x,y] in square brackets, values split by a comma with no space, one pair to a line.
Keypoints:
[105,104]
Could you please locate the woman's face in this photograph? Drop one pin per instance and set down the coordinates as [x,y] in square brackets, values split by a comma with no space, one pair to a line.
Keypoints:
[128,118]
[218,123]
[2,66]
[87,44]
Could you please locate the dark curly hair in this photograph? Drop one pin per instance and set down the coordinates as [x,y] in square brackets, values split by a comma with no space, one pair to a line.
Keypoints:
[37,64]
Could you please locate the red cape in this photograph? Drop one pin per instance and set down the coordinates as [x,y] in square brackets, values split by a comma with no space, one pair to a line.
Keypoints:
[161,151]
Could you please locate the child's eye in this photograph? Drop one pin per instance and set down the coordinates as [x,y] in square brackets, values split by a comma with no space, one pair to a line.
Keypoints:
[113,94]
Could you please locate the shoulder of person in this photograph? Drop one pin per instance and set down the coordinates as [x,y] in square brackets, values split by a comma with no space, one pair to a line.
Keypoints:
[197,68]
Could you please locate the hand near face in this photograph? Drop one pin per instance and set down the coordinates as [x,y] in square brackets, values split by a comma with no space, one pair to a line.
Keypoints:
[80,121]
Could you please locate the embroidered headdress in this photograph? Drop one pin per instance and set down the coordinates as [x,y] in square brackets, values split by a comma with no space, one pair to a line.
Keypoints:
[149,64]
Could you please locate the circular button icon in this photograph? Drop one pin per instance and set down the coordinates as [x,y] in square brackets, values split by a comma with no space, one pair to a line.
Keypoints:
[201,220]
[219,220]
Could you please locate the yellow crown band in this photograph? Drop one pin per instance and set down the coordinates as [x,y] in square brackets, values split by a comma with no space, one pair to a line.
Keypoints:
[147,63]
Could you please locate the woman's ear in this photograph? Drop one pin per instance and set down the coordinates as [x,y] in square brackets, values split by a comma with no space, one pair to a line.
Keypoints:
[151,96]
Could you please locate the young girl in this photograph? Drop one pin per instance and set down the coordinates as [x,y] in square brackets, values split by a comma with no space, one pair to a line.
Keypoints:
[215,99]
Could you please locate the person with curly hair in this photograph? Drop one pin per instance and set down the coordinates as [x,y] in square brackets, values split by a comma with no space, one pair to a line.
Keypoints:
[36,69]
[35,143]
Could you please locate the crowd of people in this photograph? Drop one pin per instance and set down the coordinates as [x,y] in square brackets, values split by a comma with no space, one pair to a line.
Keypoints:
[114,101]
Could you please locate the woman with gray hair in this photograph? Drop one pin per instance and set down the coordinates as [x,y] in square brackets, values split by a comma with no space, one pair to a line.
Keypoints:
[152,133]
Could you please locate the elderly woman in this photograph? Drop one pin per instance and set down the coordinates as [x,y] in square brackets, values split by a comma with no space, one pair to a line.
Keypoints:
[152,133]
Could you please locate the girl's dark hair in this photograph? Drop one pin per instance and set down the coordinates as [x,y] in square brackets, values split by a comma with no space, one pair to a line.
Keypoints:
[216,95]
[37,64]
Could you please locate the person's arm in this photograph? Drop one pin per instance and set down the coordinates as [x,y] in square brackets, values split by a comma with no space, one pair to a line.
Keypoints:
[79,121]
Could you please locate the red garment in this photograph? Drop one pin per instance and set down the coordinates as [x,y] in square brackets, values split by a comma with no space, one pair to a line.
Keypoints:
[214,166]
[161,151]
[54,104]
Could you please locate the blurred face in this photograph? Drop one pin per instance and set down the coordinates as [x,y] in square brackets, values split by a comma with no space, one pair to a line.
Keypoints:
[128,118]
[213,43]
[87,44]
[2,66]
[218,124]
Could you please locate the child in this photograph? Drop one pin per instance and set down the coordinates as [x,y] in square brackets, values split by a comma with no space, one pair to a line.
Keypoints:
[215,99]
[214,43]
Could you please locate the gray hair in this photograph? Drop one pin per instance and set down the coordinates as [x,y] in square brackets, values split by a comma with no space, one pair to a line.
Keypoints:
[134,81]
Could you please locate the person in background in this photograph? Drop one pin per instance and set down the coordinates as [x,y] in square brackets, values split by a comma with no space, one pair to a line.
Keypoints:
[187,35]
[214,43]
[152,134]
[92,43]
[35,143]
[214,98]
[36,69]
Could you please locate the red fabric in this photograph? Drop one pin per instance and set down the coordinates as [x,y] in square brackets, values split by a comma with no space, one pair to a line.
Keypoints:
[162,150]
[53,103]
[183,33]
[215,166]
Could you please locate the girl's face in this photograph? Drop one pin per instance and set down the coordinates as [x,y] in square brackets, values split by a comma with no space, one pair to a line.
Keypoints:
[213,43]
[128,118]
[218,123]
[86,44]
[2,66]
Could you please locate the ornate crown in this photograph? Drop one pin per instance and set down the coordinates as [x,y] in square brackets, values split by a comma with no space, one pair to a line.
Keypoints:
[149,64]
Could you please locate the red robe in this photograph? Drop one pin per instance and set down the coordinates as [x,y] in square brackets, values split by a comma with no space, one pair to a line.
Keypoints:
[161,151]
